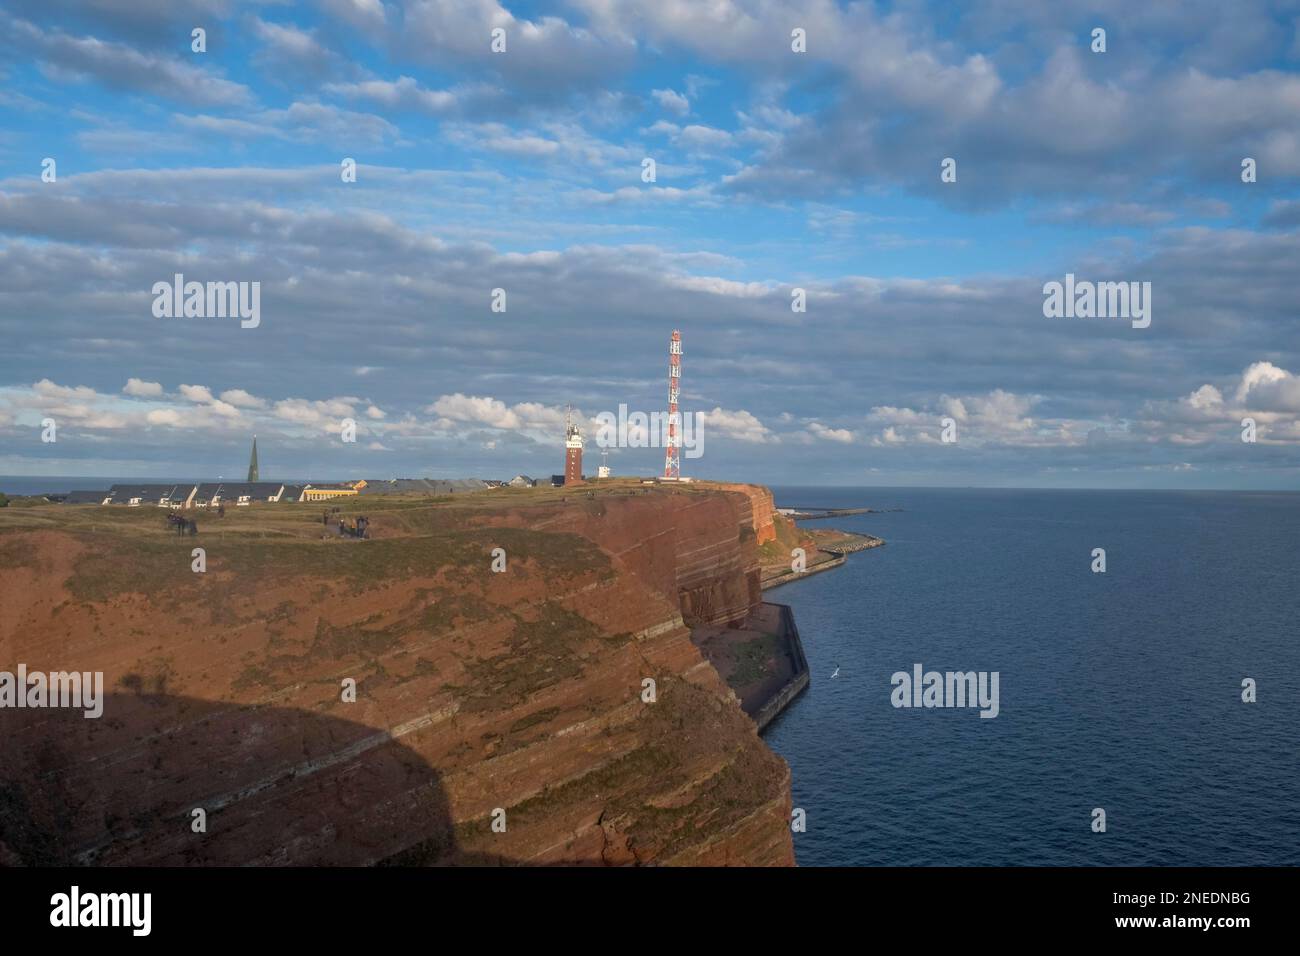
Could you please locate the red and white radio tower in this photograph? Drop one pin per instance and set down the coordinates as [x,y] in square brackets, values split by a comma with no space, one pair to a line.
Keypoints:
[672,457]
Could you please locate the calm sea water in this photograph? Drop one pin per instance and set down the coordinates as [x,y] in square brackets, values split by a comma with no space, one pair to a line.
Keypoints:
[1119,690]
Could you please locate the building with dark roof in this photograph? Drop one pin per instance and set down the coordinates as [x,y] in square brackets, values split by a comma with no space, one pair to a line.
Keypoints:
[237,493]
[421,486]
[164,496]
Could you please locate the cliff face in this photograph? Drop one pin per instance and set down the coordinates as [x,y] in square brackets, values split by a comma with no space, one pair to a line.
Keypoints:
[761,510]
[697,548]
[519,692]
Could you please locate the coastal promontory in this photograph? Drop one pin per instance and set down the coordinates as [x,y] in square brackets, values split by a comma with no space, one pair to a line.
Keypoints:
[492,678]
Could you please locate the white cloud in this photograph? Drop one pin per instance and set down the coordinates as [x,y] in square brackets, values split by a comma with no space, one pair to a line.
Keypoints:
[327,414]
[117,65]
[901,416]
[142,389]
[672,101]
[998,415]
[999,410]
[1206,397]
[471,408]
[197,393]
[523,417]
[832,434]
[1266,385]
[740,425]
[696,136]
[164,416]
[47,389]
[237,396]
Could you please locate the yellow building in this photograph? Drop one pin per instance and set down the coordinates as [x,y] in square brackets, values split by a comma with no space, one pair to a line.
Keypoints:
[326,492]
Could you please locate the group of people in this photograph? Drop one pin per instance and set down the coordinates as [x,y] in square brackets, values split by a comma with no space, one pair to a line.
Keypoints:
[356,529]
[182,524]
[359,528]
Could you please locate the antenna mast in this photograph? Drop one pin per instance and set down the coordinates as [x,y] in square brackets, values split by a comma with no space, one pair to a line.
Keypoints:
[672,457]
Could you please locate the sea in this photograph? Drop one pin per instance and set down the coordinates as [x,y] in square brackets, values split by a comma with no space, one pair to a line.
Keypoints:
[1120,691]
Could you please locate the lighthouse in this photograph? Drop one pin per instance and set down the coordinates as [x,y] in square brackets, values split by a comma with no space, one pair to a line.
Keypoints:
[572,450]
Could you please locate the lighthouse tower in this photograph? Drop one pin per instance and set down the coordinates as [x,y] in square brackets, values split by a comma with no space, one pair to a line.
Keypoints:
[572,451]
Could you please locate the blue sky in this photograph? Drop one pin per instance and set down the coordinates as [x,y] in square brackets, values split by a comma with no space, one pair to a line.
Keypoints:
[522,170]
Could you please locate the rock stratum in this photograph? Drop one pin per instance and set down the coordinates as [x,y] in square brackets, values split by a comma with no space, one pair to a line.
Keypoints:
[476,692]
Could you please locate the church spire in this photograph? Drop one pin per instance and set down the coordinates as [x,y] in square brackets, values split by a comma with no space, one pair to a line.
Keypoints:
[252,462]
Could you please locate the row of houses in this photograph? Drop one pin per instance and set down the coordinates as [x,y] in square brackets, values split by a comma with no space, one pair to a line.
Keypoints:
[523,481]
[212,494]
[425,486]
[205,495]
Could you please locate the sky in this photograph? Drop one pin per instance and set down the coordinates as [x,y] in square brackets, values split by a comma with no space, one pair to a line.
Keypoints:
[798,154]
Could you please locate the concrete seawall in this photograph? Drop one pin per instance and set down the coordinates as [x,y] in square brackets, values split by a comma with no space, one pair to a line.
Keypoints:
[762,661]
[833,550]
[789,576]
[797,684]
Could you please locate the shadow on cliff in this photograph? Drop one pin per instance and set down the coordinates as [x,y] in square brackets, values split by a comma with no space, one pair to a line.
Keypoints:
[278,786]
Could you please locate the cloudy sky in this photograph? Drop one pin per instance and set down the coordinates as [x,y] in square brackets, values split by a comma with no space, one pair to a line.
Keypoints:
[774,171]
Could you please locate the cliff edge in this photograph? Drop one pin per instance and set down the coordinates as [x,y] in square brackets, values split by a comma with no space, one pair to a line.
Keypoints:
[499,717]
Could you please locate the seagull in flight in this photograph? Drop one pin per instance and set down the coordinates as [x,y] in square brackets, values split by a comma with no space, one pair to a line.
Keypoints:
[837,673]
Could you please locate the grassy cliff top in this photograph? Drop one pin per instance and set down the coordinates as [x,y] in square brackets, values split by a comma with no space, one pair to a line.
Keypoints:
[397,514]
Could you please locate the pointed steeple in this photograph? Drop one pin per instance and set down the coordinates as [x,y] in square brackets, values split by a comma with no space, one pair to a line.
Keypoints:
[252,462]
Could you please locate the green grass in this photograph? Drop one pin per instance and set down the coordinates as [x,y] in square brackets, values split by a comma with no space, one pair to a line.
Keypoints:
[541,653]
[752,659]
[161,568]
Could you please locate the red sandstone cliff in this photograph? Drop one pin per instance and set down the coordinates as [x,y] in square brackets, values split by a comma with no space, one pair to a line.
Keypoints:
[760,512]
[476,691]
